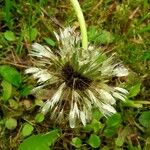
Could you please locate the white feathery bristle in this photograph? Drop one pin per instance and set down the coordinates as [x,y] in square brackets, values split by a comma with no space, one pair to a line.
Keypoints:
[108,109]
[83,118]
[120,71]
[32,70]
[72,119]
[76,109]
[40,51]
[122,90]
[119,96]
[92,96]
[46,107]
[56,97]
[107,97]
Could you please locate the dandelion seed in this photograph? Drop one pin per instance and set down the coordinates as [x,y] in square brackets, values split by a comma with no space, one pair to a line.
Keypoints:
[120,71]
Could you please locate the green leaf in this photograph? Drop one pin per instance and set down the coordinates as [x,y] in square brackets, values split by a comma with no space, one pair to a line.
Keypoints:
[11,123]
[109,131]
[49,41]
[76,142]
[146,55]
[38,102]
[97,36]
[114,121]
[25,91]
[105,37]
[10,74]
[7,90]
[96,125]
[134,90]
[96,114]
[131,103]
[9,35]
[27,129]
[33,32]
[94,141]
[93,34]
[144,119]
[88,128]
[40,141]
[39,117]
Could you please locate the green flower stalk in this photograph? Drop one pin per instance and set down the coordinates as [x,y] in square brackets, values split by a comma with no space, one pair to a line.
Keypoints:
[82,23]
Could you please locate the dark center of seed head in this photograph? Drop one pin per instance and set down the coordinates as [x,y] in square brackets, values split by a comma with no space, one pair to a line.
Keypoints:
[74,79]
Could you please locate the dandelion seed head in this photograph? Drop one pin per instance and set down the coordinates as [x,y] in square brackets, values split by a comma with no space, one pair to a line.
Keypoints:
[81,78]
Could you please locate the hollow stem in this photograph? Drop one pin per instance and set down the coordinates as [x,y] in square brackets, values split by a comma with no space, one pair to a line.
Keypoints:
[82,23]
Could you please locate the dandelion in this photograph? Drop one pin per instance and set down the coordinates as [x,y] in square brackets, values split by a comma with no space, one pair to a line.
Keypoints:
[81,78]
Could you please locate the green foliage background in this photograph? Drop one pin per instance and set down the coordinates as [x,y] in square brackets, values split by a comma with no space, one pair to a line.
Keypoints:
[117,26]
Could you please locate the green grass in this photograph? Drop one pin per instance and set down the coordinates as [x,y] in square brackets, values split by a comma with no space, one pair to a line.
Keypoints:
[120,27]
